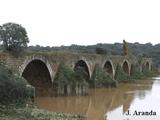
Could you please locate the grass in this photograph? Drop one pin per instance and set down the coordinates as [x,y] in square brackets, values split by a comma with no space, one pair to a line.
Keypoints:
[12,112]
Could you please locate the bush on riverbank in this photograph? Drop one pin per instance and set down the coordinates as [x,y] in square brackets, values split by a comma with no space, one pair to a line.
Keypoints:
[147,73]
[100,78]
[13,88]
[120,75]
[69,82]
[135,72]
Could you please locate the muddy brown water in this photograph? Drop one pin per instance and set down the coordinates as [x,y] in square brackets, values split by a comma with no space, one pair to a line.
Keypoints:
[110,103]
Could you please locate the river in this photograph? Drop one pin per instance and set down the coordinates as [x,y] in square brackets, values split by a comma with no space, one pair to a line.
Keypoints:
[111,103]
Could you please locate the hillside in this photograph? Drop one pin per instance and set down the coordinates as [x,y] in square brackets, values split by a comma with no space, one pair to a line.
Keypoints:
[137,49]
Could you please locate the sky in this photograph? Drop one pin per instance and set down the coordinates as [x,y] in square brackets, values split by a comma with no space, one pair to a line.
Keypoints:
[84,22]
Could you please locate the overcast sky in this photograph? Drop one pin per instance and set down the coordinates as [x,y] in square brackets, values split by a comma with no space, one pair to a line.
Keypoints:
[84,22]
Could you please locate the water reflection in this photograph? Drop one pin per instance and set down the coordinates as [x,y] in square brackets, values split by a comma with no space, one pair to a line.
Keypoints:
[102,103]
[144,100]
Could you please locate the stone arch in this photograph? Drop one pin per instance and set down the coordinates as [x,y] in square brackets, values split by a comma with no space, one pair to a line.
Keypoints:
[109,68]
[37,74]
[126,67]
[42,59]
[146,65]
[84,65]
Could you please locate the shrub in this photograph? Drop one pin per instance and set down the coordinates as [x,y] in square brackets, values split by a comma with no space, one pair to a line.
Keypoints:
[135,72]
[66,77]
[120,75]
[100,78]
[12,87]
[63,76]
[148,73]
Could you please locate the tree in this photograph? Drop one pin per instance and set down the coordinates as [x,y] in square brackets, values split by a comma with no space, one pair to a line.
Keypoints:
[100,50]
[125,48]
[13,37]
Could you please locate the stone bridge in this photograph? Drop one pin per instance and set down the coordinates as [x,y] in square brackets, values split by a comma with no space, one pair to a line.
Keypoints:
[44,66]
[40,69]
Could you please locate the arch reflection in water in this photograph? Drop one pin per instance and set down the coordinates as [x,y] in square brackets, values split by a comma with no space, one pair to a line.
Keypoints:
[98,103]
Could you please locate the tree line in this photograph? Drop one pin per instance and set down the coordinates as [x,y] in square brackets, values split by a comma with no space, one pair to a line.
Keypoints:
[136,49]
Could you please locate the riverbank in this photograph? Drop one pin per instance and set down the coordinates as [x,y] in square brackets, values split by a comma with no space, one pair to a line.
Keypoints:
[13,112]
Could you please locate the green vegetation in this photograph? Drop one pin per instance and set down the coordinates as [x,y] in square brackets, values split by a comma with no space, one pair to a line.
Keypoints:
[135,72]
[14,37]
[68,82]
[148,73]
[100,50]
[29,113]
[100,78]
[13,88]
[120,75]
